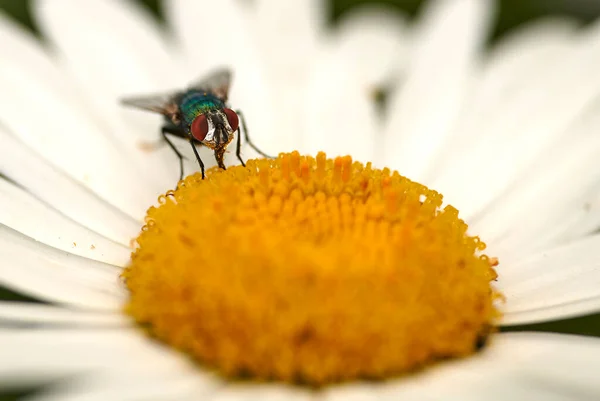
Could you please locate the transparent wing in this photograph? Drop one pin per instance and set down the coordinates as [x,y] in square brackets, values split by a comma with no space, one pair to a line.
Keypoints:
[165,103]
[217,82]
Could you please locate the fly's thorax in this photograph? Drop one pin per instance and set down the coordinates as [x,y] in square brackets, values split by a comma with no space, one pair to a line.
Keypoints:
[193,103]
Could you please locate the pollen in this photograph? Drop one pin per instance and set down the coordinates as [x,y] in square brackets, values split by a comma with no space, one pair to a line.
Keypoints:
[310,270]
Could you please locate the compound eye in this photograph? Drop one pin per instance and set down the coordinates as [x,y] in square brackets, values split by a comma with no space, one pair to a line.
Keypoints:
[233,119]
[199,127]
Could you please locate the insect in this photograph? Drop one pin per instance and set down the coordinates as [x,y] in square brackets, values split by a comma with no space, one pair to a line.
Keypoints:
[201,115]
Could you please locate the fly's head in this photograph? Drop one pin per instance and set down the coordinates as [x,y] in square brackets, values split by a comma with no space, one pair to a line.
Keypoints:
[215,128]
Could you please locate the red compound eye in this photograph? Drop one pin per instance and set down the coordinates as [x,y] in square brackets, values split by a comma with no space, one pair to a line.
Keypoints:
[200,127]
[233,119]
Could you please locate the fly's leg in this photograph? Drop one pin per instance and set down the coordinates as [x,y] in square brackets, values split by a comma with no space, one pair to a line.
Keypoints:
[238,148]
[178,133]
[191,138]
[247,139]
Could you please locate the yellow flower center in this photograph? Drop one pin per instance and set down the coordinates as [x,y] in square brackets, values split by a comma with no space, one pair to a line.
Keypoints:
[310,270]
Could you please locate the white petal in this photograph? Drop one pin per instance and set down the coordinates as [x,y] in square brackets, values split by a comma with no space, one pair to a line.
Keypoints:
[534,117]
[21,211]
[553,284]
[113,46]
[260,392]
[371,392]
[341,118]
[62,193]
[57,276]
[41,107]
[289,32]
[373,41]
[425,107]
[224,39]
[543,366]
[288,35]
[521,365]
[211,34]
[556,189]
[527,366]
[583,220]
[33,356]
[113,49]
[517,59]
[19,313]
[110,386]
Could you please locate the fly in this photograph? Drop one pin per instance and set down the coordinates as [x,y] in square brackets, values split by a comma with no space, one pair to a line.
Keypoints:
[201,115]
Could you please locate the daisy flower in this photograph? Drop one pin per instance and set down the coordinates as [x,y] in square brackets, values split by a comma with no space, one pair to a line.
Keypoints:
[508,137]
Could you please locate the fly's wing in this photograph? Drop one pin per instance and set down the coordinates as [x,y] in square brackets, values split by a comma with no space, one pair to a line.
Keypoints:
[165,104]
[217,82]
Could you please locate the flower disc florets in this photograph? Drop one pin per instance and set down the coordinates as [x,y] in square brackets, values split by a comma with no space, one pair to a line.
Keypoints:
[310,269]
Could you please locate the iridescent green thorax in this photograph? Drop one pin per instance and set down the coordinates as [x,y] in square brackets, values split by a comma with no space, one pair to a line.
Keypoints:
[193,103]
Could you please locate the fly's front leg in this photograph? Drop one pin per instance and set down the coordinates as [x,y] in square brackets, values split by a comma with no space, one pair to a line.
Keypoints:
[247,138]
[238,148]
[191,138]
